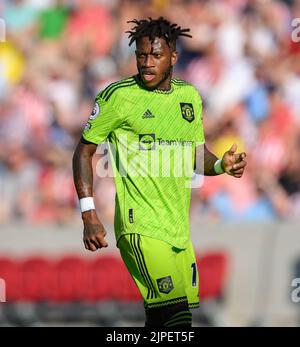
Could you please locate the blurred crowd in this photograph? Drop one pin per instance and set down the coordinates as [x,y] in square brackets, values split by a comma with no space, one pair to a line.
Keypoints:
[59,54]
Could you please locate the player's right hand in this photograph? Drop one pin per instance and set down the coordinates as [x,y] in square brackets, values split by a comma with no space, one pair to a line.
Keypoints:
[93,232]
[234,163]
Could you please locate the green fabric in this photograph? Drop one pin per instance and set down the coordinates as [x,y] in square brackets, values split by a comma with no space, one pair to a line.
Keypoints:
[180,318]
[53,22]
[163,274]
[154,136]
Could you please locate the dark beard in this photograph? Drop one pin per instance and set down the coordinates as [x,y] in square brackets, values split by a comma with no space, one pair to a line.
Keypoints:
[166,75]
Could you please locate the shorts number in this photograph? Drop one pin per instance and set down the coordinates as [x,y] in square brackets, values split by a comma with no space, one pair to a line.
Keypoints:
[194,274]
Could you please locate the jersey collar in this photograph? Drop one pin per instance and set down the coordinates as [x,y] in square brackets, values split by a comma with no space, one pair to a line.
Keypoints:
[158,91]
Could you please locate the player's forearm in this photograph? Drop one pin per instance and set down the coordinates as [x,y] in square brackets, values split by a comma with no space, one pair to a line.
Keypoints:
[209,162]
[205,161]
[93,232]
[83,171]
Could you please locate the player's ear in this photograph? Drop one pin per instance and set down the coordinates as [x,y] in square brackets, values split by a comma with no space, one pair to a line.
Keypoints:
[174,57]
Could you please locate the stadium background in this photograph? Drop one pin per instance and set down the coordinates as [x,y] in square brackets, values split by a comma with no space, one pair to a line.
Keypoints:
[57,56]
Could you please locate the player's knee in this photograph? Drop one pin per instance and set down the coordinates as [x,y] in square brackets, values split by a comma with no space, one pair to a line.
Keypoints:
[176,315]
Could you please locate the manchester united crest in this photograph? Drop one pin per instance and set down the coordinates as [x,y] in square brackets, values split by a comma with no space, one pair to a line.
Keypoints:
[187,111]
[165,284]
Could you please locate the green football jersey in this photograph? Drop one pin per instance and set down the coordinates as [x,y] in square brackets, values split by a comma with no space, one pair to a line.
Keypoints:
[152,137]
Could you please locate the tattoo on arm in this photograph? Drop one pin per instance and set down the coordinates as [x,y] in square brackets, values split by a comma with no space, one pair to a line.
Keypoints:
[83,170]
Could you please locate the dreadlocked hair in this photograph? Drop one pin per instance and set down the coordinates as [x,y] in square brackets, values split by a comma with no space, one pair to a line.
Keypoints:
[153,28]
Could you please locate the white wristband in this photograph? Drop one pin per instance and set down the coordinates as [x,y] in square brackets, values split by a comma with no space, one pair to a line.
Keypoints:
[86,204]
[218,167]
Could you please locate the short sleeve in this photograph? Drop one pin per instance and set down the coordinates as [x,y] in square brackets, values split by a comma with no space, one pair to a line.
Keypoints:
[103,120]
[199,130]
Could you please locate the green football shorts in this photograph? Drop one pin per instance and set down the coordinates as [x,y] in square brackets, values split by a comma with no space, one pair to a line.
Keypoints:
[165,275]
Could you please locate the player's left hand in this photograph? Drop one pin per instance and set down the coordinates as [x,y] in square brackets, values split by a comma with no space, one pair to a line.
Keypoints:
[234,163]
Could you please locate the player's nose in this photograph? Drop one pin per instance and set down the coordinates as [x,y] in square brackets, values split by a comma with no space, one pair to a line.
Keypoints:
[149,62]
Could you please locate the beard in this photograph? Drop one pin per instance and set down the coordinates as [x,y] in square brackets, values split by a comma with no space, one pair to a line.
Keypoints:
[166,74]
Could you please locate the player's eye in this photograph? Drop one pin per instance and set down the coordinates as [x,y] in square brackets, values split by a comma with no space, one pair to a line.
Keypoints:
[157,55]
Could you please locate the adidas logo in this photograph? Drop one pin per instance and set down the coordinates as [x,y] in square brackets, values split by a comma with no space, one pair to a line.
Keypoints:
[148,114]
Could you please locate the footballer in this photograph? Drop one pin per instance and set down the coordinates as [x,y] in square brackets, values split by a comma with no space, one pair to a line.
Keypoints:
[142,116]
